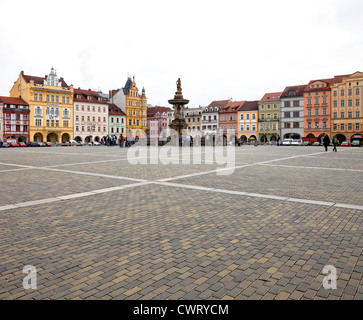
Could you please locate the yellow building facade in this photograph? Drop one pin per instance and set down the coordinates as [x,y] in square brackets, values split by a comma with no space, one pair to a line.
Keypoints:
[247,117]
[50,102]
[347,108]
[136,109]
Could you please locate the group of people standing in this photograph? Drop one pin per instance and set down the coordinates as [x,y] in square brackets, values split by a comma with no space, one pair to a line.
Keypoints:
[121,141]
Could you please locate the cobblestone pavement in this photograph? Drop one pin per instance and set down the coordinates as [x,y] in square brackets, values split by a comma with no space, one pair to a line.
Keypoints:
[98,227]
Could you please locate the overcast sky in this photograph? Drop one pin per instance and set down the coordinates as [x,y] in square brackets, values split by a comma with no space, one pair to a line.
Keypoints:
[219,49]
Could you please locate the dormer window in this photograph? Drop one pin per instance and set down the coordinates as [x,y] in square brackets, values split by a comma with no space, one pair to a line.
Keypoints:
[292,93]
[78,96]
[88,97]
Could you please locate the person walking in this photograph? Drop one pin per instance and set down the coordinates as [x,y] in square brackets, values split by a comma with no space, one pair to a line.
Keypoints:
[335,143]
[326,142]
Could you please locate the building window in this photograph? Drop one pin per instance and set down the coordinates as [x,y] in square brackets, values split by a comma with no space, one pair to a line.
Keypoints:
[350,114]
[296,125]
[335,115]
[342,126]
[38,122]
[65,124]
[342,103]
[342,92]
[296,114]
[316,100]
[286,104]
[349,126]
[357,91]
[309,112]
[316,125]
[357,126]
[309,101]
[350,103]
[324,111]
[357,102]
[357,114]
[309,125]
[324,124]
[342,115]
[335,104]
[287,125]
[77,128]
[35,97]
[317,111]
[324,100]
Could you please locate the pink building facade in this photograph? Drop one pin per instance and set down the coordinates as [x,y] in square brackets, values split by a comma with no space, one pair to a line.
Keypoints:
[90,116]
[158,119]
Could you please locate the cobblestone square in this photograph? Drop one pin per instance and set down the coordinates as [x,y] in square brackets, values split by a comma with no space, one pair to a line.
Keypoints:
[98,227]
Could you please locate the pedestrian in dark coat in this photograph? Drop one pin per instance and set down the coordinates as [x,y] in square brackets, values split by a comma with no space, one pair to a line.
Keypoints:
[326,142]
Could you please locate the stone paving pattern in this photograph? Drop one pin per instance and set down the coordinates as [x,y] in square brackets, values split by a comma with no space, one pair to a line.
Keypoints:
[160,242]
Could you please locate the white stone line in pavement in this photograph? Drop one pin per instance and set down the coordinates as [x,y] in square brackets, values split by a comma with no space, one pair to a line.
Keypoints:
[80,172]
[65,153]
[83,163]
[257,195]
[20,169]
[16,165]
[92,174]
[230,168]
[70,196]
[335,158]
[303,167]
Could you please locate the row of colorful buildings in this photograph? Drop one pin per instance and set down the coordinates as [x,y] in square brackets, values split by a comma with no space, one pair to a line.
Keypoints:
[330,107]
[48,109]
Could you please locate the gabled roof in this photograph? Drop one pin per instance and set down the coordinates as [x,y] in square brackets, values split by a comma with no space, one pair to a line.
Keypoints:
[232,106]
[271,97]
[218,103]
[249,106]
[115,110]
[12,100]
[329,82]
[88,96]
[293,91]
[152,111]
[40,80]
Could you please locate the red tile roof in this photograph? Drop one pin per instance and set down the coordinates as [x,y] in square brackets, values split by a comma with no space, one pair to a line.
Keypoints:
[329,82]
[40,80]
[115,110]
[232,106]
[274,96]
[94,96]
[152,111]
[11,100]
[249,106]
[218,103]
[299,91]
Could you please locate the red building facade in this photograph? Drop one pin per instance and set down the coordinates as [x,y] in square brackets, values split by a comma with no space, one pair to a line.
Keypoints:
[16,116]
